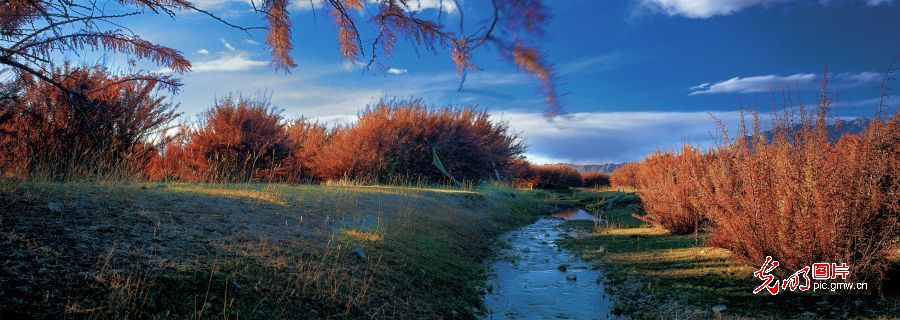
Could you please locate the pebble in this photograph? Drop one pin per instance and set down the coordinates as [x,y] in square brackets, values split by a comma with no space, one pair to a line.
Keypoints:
[54,207]
[718,309]
[571,277]
[360,253]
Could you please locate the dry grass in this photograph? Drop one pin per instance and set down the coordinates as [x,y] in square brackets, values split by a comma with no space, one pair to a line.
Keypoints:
[248,251]
[270,196]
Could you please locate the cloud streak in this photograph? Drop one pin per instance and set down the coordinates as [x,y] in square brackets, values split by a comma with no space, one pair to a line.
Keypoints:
[232,62]
[227,45]
[799,81]
[703,9]
[601,63]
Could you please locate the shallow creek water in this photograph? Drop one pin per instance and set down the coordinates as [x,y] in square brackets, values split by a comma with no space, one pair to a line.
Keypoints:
[526,282]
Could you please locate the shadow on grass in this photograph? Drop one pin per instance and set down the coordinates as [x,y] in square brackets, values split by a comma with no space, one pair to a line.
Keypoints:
[654,274]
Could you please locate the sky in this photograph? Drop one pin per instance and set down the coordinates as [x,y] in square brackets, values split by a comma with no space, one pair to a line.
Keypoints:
[636,75]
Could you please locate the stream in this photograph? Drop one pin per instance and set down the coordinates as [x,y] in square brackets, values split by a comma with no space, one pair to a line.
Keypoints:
[527,283]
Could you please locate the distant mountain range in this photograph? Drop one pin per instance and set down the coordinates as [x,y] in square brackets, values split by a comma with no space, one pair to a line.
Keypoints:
[592,168]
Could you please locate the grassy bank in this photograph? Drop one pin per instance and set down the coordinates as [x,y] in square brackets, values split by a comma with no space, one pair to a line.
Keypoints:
[653,274]
[248,251]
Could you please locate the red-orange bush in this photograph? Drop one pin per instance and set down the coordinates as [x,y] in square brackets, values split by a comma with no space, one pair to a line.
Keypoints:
[801,198]
[306,142]
[106,130]
[171,162]
[666,183]
[625,175]
[549,177]
[398,141]
[797,196]
[238,139]
[596,179]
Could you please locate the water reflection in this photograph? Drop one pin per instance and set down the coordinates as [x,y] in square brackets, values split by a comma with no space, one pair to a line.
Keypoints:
[573,214]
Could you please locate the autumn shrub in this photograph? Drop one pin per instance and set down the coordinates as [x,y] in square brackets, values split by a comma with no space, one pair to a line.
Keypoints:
[171,162]
[624,175]
[239,139]
[792,193]
[802,198]
[307,139]
[398,141]
[595,179]
[550,177]
[520,174]
[666,183]
[103,126]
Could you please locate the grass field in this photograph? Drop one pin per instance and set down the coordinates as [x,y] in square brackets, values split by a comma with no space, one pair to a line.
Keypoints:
[653,274]
[143,250]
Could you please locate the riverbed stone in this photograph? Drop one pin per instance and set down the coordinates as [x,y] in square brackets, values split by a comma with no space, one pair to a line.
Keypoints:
[719,309]
[360,253]
[571,277]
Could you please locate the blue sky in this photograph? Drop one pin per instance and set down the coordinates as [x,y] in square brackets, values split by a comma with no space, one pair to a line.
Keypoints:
[636,74]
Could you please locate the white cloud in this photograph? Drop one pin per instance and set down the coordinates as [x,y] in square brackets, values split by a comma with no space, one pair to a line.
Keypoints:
[203,52]
[702,9]
[799,81]
[756,84]
[597,137]
[227,45]
[396,71]
[414,5]
[307,4]
[855,79]
[251,42]
[235,62]
[352,66]
[446,5]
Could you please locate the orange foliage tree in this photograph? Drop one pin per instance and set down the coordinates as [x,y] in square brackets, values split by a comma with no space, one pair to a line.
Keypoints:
[44,131]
